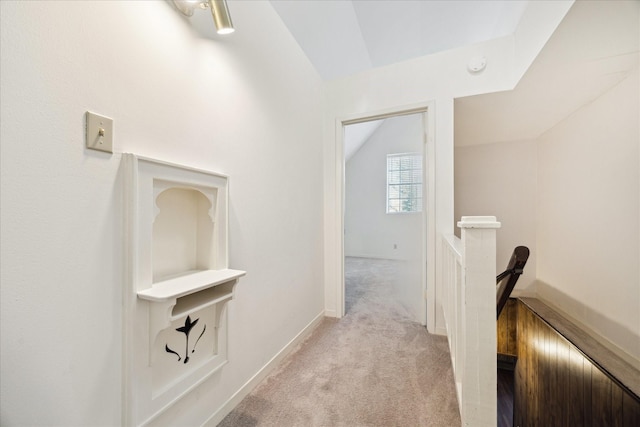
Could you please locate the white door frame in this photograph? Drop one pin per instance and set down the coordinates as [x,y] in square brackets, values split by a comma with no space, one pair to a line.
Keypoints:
[428,213]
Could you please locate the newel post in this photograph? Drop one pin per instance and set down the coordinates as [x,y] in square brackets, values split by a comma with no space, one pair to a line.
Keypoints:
[479,395]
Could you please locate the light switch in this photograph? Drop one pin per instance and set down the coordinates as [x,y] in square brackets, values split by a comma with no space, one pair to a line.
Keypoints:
[99,132]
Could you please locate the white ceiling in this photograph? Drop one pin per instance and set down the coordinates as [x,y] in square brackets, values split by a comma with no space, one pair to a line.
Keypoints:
[595,47]
[342,37]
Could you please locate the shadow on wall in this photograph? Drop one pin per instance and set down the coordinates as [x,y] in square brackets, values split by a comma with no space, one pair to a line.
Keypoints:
[585,317]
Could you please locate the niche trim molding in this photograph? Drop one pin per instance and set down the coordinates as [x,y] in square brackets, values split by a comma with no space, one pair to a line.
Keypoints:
[177,283]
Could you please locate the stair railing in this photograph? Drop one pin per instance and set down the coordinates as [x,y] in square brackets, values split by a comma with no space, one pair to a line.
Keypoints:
[506,281]
[468,293]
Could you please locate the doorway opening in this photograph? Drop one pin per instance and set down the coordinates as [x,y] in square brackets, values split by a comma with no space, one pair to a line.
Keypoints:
[385,184]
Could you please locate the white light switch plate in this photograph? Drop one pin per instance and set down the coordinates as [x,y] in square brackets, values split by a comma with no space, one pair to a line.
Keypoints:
[99,132]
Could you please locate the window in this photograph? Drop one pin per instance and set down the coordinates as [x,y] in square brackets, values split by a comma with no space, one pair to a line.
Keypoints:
[404,183]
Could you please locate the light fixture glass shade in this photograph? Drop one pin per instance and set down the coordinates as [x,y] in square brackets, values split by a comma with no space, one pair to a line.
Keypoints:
[185,7]
[221,16]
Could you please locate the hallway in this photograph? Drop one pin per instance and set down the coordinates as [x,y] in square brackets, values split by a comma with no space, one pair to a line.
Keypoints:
[374,367]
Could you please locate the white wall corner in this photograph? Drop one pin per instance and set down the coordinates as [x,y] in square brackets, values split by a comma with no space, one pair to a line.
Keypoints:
[538,23]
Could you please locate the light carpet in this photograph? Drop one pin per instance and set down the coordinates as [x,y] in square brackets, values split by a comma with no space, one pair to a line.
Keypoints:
[373,367]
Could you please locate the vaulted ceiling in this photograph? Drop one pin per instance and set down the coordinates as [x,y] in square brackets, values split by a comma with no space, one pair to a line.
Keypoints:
[342,37]
[594,48]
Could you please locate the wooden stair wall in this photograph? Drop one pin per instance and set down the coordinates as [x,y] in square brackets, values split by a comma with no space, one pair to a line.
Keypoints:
[564,377]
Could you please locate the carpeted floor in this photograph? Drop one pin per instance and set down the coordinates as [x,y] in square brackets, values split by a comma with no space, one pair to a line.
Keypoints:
[373,367]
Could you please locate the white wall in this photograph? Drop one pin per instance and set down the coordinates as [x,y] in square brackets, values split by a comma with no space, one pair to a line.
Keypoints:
[369,230]
[588,234]
[573,197]
[501,179]
[227,105]
[430,80]
[583,175]
[433,80]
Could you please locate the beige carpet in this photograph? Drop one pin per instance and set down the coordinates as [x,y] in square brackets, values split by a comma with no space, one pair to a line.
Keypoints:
[374,367]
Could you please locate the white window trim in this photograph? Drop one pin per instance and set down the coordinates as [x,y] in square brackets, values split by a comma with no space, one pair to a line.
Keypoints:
[409,154]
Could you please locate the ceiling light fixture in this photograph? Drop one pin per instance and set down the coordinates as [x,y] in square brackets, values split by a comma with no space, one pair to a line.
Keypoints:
[219,10]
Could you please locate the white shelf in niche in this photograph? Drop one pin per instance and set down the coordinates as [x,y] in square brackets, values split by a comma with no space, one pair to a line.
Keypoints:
[188,283]
[185,294]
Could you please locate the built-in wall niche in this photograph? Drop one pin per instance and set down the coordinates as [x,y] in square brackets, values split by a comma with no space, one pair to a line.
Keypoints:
[178,283]
[184,237]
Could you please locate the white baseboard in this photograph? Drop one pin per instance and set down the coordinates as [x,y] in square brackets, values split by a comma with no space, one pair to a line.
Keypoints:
[440,330]
[237,397]
[330,313]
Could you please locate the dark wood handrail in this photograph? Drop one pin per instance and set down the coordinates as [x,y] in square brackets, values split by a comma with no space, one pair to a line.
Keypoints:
[506,280]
